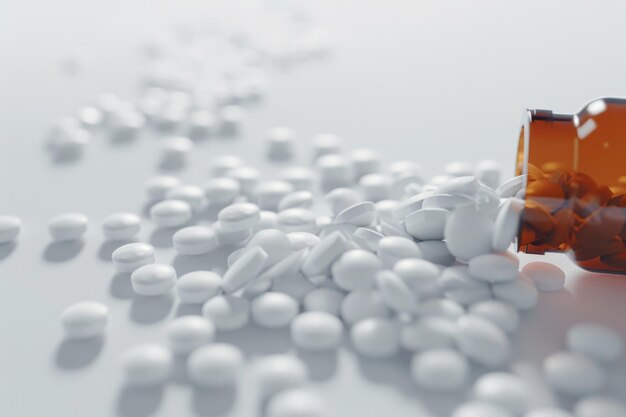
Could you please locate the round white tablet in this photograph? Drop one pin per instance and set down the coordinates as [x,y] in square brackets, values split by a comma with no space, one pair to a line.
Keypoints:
[68,226]
[362,304]
[494,267]
[504,389]
[327,300]
[598,406]
[391,249]
[595,341]
[268,194]
[157,187]
[215,365]
[428,333]
[297,402]
[121,226]
[276,373]
[240,216]
[170,213]
[186,333]
[194,240]
[427,223]
[296,220]
[395,292]
[10,227]
[244,269]
[222,163]
[198,286]
[153,279]
[221,191]
[360,214]
[84,319]
[546,276]
[501,314]
[442,370]
[468,233]
[147,364]
[131,256]
[573,373]
[316,330]
[482,341]
[227,312]
[520,293]
[274,309]
[356,270]
[440,307]
[375,337]
[420,275]
[190,194]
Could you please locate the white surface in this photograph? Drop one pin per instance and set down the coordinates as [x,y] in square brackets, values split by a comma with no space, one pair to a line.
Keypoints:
[426,80]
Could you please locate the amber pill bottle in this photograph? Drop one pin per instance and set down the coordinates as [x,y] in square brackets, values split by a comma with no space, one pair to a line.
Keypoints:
[575,184]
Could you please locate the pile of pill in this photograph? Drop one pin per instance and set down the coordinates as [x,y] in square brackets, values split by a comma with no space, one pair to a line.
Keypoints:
[345,246]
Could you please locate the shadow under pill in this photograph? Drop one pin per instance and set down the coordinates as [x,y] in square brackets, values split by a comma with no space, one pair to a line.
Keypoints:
[150,309]
[213,402]
[66,157]
[7,249]
[63,251]
[321,365]
[162,237]
[121,287]
[139,401]
[254,340]
[73,354]
[108,247]
[172,165]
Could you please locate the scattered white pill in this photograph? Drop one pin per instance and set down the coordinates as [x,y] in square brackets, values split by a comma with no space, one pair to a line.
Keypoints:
[269,220]
[334,171]
[300,178]
[215,365]
[481,409]
[131,256]
[221,191]
[488,172]
[302,240]
[284,268]
[153,279]
[238,217]
[170,213]
[121,226]
[190,194]
[511,186]
[316,330]
[274,242]
[297,199]
[420,276]
[356,269]
[296,403]
[244,269]
[68,226]
[327,300]
[395,292]
[367,238]
[597,406]
[596,341]
[428,333]
[573,373]
[376,187]
[504,389]
[198,286]
[442,370]
[269,194]
[362,304]
[458,285]
[440,307]
[340,199]
[280,143]
[247,177]
[147,364]
[360,214]
[437,252]
[220,164]
[227,312]
[546,276]
[10,227]
[494,267]
[400,210]
[468,233]
[194,240]
[84,320]
[274,309]
[326,144]
[295,285]
[482,341]
[520,293]
[392,249]
[158,187]
[375,337]
[230,238]
[501,314]
[458,169]
[365,161]
[427,223]
[296,220]
[322,255]
[276,373]
[187,333]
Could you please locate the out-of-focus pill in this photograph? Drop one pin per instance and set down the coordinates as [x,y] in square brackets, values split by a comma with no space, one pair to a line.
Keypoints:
[599,406]
[302,240]
[198,286]
[121,226]
[334,171]
[176,148]
[437,252]
[273,309]
[376,187]
[375,337]
[360,214]
[391,249]
[322,255]
[247,177]
[481,409]
[465,185]
[269,220]
[482,341]
[494,267]
[222,163]
[296,402]
[147,364]
[187,333]
[84,320]
[297,199]
[504,389]
[468,233]
[296,220]
[395,292]
[225,237]
[488,172]
[190,194]
[573,373]
[427,223]
[420,276]
[227,312]
[547,277]
[131,256]
[362,304]
[299,177]
[215,365]
[10,227]
[274,242]
[367,238]
[244,269]
[326,144]
[511,186]
[316,330]
[153,279]
[356,269]
[442,370]
[520,293]
[440,307]
[327,300]
[68,226]
[428,333]
[221,191]
[238,217]
[548,412]
[194,240]
[458,169]
[280,143]
[595,341]
[170,213]
[365,161]
[157,187]
[501,314]
[276,373]
[340,199]
[506,224]
[268,194]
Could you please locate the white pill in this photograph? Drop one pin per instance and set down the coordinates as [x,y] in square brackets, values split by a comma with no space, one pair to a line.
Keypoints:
[511,186]
[504,389]
[365,161]
[68,226]
[482,341]
[268,194]
[274,242]
[487,201]
[269,220]
[501,314]
[215,365]
[494,267]
[316,330]
[327,300]
[84,319]
[194,240]
[221,191]
[440,307]
[481,409]
[276,373]
[458,285]
[296,220]
[147,364]
[464,185]
[375,337]
[506,224]
[573,373]
[546,276]
[437,252]
[121,226]
[356,269]
[402,167]
[598,406]
[363,304]
[153,279]
[158,187]
[447,201]
[220,164]
[392,249]
[322,255]
[340,199]
[395,292]
[284,268]
[326,144]
[428,333]
[441,370]
[10,227]
[274,309]
[201,123]
[420,276]
[230,238]
[300,178]
[247,177]
[360,214]
[187,333]
[520,293]
[488,172]
[198,286]
[296,199]
[176,148]
[595,341]
[400,210]
[190,194]
[376,187]
[302,240]
[385,208]
[347,230]
[334,171]
[548,412]
[227,312]
[406,185]
[170,213]
[427,223]
[468,233]
[280,143]
[231,118]
[367,238]
[244,269]
[131,256]
[238,217]
[296,403]
[458,169]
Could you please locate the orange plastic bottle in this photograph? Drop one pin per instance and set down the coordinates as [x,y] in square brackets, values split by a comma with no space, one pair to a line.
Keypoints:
[575,190]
